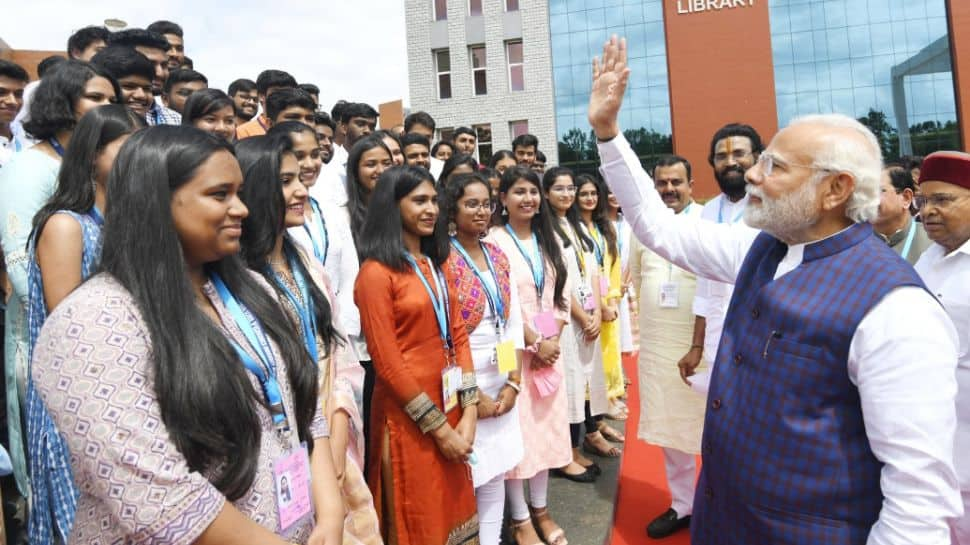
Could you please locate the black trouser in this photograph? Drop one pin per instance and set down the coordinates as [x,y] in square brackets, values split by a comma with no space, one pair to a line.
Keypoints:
[369,378]
[591,422]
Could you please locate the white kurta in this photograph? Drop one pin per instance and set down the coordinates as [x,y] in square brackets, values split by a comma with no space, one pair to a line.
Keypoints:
[583,360]
[671,413]
[498,441]
[948,278]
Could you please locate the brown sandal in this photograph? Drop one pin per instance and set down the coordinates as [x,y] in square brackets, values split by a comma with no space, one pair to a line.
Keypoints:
[516,524]
[607,451]
[556,536]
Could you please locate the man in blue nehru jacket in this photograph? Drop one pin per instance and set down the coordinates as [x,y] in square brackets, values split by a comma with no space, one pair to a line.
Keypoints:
[830,415]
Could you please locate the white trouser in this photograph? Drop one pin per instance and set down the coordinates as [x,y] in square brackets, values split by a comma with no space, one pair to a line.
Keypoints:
[681,477]
[490,498]
[538,494]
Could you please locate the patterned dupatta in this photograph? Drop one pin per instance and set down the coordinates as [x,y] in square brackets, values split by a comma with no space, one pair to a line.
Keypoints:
[471,295]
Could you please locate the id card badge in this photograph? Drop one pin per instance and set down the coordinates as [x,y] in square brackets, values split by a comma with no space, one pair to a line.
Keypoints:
[450,383]
[291,474]
[545,323]
[669,295]
[585,294]
[505,354]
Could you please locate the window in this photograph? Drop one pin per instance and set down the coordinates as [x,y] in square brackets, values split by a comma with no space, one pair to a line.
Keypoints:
[440,10]
[446,134]
[442,67]
[513,53]
[511,5]
[474,7]
[518,128]
[483,136]
[477,54]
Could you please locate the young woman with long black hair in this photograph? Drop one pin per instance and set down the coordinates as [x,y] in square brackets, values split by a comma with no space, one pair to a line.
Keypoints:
[276,198]
[196,396]
[66,247]
[591,206]
[527,236]
[425,400]
[581,351]
[27,181]
[489,302]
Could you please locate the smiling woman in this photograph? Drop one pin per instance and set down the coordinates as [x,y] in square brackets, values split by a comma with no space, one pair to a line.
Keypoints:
[417,339]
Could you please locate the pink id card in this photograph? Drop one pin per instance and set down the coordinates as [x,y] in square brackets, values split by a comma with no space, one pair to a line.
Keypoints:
[292,476]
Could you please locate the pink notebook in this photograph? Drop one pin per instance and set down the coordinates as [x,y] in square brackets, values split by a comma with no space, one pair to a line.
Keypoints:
[546,381]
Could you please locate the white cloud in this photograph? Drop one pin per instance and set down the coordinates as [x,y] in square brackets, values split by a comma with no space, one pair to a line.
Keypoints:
[352,49]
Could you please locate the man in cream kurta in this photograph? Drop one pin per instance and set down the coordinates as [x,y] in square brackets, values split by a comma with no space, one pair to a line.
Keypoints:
[671,414]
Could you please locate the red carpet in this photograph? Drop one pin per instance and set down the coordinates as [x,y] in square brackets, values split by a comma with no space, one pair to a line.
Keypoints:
[642,489]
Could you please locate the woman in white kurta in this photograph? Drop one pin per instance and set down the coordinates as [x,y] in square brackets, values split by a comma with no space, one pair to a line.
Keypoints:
[489,302]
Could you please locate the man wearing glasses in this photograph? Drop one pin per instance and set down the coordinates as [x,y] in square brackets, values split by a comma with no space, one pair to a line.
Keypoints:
[831,408]
[895,223]
[944,204]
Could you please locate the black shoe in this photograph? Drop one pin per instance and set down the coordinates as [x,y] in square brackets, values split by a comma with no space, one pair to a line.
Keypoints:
[595,469]
[666,524]
[586,476]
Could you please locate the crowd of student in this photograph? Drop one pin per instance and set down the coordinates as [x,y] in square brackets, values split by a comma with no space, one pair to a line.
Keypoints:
[231,316]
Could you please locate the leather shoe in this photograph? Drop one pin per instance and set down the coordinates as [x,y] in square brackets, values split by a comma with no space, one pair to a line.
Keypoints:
[666,524]
[586,476]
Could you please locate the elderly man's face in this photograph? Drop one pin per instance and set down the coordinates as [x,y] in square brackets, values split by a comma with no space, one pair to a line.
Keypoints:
[785,200]
[893,204]
[946,213]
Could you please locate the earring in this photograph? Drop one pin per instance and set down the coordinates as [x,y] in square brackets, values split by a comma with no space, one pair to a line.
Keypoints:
[452,229]
[505,211]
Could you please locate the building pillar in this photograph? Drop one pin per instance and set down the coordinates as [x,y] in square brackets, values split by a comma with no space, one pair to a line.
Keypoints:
[959,18]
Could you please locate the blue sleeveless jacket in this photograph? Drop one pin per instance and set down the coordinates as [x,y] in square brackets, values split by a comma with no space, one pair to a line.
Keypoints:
[786,456]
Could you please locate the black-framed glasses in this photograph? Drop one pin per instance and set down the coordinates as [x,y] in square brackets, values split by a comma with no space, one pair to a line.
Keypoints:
[474,205]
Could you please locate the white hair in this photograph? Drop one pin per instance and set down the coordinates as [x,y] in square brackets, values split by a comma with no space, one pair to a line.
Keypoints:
[859,157]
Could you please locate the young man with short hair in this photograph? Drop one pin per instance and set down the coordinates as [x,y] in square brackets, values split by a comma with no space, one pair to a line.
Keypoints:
[290,105]
[85,43]
[313,91]
[339,135]
[176,43]
[324,127]
[358,120]
[134,73]
[421,123]
[179,87]
[417,150]
[524,147]
[267,83]
[244,98]
[153,46]
[465,140]
[13,79]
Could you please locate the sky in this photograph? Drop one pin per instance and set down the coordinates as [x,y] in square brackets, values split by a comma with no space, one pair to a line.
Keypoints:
[352,49]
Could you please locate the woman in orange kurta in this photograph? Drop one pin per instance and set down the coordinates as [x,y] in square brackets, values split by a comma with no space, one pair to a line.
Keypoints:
[422,487]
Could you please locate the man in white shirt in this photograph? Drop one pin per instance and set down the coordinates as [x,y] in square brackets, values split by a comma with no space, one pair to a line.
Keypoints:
[734,149]
[13,79]
[944,204]
[830,419]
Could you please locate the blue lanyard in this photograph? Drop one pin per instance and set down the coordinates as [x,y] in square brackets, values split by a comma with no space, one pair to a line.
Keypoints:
[56,145]
[720,212]
[321,242]
[305,311]
[494,298]
[909,239]
[96,216]
[441,305]
[266,373]
[538,275]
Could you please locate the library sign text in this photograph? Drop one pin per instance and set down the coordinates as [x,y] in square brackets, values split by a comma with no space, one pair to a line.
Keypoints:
[700,6]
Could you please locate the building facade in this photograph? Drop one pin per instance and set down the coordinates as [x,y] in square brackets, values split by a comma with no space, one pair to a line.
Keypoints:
[484,64]
[698,64]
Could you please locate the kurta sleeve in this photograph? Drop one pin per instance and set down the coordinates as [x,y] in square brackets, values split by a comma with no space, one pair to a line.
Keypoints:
[374,293]
[636,254]
[92,366]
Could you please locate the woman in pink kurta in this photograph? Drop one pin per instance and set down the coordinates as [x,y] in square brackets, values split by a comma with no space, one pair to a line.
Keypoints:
[527,237]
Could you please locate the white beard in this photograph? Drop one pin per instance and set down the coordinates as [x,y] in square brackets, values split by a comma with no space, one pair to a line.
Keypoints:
[787,217]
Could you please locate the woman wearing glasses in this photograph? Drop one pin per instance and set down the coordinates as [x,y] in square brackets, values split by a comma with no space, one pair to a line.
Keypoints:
[488,298]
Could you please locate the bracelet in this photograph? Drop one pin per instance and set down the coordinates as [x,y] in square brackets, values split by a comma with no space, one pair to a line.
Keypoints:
[534,347]
[514,386]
